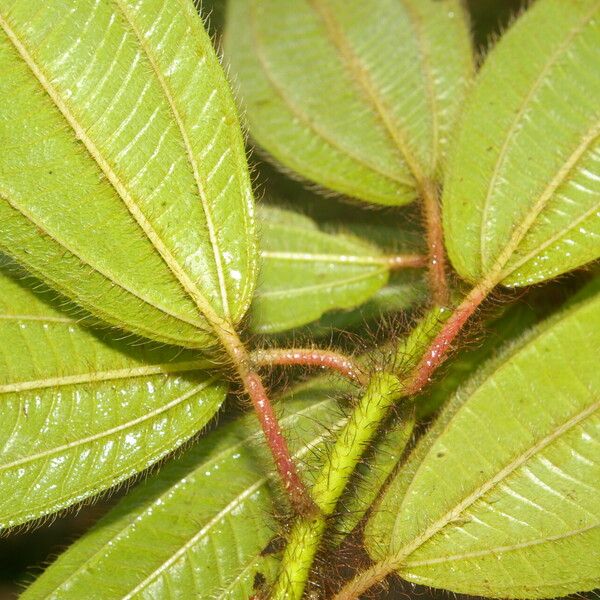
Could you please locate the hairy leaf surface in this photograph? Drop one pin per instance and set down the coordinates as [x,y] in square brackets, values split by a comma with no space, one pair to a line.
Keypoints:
[357,96]
[522,198]
[501,498]
[82,412]
[307,272]
[199,528]
[123,178]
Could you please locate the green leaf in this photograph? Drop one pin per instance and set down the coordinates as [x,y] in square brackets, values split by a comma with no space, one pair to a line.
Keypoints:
[357,96]
[124,182]
[521,197]
[82,412]
[405,290]
[199,528]
[502,497]
[307,272]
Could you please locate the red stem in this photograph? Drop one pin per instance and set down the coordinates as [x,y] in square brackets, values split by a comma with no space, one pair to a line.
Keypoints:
[435,243]
[438,350]
[312,358]
[286,467]
[298,494]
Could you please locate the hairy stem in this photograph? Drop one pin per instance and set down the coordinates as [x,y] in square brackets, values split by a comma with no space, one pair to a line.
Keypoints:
[407,261]
[430,361]
[435,242]
[304,540]
[286,468]
[439,348]
[311,358]
[431,341]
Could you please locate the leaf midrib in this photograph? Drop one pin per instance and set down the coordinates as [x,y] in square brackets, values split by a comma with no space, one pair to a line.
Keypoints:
[525,226]
[344,259]
[297,112]
[106,275]
[37,318]
[108,432]
[320,286]
[362,77]
[216,251]
[111,375]
[216,323]
[502,549]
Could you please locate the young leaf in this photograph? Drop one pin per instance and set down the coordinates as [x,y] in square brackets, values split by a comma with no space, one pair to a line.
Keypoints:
[81,412]
[502,497]
[200,528]
[357,96]
[521,197]
[124,182]
[306,272]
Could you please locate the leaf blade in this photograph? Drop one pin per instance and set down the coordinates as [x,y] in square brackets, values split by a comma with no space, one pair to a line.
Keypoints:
[168,107]
[307,272]
[378,158]
[516,224]
[125,407]
[180,508]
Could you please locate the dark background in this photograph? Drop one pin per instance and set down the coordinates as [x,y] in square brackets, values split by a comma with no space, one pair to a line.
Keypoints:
[24,553]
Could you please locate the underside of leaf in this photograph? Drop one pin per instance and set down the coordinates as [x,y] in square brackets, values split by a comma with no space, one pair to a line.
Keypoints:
[501,498]
[306,272]
[81,411]
[123,175]
[359,97]
[521,201]
[202,526]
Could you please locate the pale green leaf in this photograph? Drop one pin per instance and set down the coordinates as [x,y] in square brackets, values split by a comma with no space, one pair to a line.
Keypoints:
[405,290]
[82,412]
[307,272]
[123,178]
[199,528]
[522,197]
[502,497]
[357,96]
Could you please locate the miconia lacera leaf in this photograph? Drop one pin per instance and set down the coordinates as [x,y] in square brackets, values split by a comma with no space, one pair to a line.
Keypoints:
[502,497]
[123,177]
[522,197]
[359,96]
[306,272]
[81,411]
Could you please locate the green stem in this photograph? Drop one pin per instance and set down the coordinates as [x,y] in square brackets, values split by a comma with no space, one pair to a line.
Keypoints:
[420,354]
[305,538]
